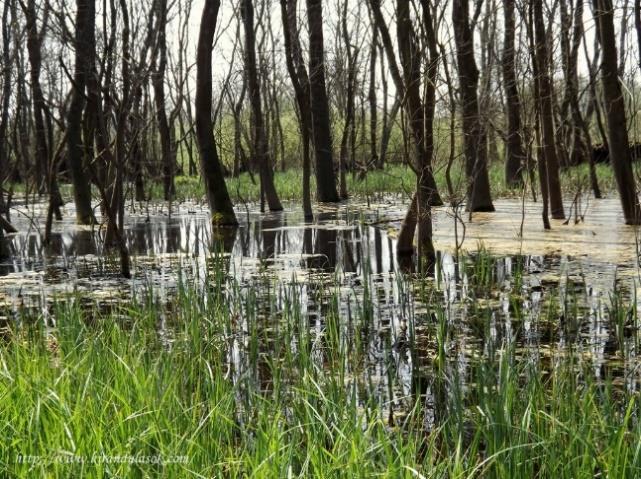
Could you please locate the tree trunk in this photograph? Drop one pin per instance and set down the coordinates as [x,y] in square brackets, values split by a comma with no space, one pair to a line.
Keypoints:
[259,133]
[6,97]
[637,26]
[219,201]
[350,104]
[300,82]
[158,80]
[546,114]
[475,138]
[85,18]
[618,141]
[420,119]
[321,130]
[371,97]
[515,153]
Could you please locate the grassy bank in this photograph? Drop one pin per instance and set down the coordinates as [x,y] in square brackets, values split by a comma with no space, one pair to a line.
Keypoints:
[148,390]
[394,179]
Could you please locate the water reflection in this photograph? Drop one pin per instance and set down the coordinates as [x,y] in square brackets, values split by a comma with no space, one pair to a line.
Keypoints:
[339,273]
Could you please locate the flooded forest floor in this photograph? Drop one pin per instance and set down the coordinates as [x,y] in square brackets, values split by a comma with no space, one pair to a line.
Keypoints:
[288,348]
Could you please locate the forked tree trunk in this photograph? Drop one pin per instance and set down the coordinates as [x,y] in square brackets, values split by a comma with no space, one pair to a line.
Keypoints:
[475,139]
[546,114]
[34,41]
[259,132]
[421,117]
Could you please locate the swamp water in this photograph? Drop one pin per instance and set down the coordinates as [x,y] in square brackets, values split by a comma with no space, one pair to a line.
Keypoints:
[542,294]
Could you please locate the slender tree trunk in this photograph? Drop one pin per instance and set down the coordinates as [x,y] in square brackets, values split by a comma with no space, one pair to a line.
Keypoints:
[373,104]
[47,176]
[85,18]
[4,116]
[515,153]
[219,201]
[158,80]
[7,67]
[300,82]
[637,26]
[321,130]
[37,97]
[420,118]
[384,120]
[259,132]
[475,138]
[547,114]
[618,141]
[350,104]
[239,151]
[582,141]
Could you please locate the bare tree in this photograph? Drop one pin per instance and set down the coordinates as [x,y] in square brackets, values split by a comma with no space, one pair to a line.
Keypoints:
[259,133]
[515,158]
[616,119]
[300,81]
[546,114]
[474,135]
[219,201]
[321,130]
[420,116]
[85,18]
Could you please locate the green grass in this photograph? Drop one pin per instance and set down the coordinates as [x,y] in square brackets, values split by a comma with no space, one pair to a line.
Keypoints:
[394,179]
[115,385]
[289,184]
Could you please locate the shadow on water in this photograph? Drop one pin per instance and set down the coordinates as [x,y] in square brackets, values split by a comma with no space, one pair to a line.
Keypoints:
[341,274]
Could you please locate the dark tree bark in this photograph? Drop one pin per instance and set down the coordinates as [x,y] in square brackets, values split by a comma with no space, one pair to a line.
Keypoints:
[7,67]
[219,201]
[618,141]
[158,80]
[579,131]
[475,138]
[259,132]
[420,118]
[300,81]
[46,176]
[321,130]
[350,102]
[4,116]
[515,153]
[408,90]
[371,97]
[239,151]
[542,167]
[546,113]
[38,101]
[85,21]
[637,26]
